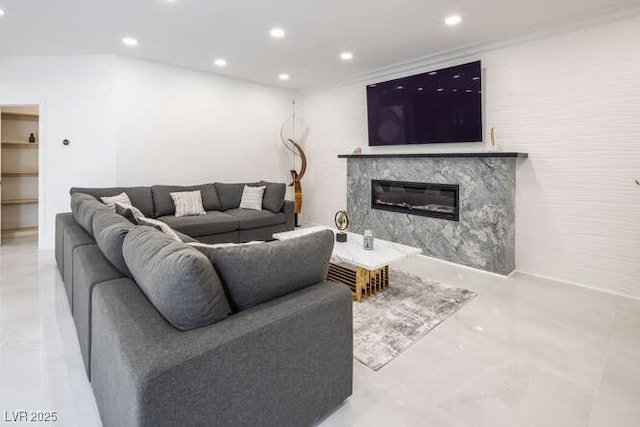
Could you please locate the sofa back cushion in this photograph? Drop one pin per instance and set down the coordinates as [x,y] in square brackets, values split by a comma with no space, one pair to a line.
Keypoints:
[109,230]
[140,197]
[274,193]
[178,280]
[230,194]
[163,203]
[253,274]
[83,208]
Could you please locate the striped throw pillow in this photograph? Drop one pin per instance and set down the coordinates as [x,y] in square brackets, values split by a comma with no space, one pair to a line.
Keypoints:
[111,201]
[252,198]
[188,203]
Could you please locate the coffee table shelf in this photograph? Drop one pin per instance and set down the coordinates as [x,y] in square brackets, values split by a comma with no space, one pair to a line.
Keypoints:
[365,272]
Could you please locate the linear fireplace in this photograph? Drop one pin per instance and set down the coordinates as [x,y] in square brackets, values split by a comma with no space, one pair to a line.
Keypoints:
[416,198]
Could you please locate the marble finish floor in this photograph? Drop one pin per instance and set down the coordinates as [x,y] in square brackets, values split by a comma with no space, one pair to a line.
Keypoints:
[525,352]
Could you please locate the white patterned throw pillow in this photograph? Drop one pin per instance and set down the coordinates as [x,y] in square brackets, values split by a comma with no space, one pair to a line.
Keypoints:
[188,203]
[111,201]
[252,198]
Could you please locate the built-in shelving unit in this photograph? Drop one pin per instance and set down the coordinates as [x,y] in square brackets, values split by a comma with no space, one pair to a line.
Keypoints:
[19,171]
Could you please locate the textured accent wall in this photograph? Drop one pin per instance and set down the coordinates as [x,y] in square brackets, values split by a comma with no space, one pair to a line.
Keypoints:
[572,101]
[485,235]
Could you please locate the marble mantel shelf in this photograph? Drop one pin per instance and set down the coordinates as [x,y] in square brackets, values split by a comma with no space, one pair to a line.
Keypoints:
[413,155]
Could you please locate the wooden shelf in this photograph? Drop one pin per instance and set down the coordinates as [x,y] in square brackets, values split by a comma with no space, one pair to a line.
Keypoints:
[19,232]
[18,174]
[10,202]
[20,116]
[11,144]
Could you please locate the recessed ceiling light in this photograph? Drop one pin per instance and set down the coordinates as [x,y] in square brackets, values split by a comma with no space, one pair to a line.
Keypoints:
[433,73]
[476,78]
[400,87]
[453,20]
[129,41]
[277,33]
[283,76]
[440,89]
[220,62]
[346,56]
[468,91]
[456,76]
[420,89]
[1,12]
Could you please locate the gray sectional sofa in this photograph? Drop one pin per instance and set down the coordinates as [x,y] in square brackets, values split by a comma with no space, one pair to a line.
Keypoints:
[179,334]
[224,222]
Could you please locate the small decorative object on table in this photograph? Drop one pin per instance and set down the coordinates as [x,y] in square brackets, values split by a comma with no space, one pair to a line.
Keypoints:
[357,150]
[32,138]
[342,224]
[494,144]
[367,240]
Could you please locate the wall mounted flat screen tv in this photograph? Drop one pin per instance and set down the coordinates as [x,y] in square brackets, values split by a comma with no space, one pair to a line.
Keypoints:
[433,107]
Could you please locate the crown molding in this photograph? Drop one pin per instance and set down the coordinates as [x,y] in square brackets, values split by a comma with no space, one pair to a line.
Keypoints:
[472,52]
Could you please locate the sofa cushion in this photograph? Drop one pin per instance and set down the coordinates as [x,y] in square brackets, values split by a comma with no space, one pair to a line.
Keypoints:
[202,225]
[230,194]
[248,218]
[73,237]
[178,280]
[109,230]
[140,196]
[90,267]
[163,203]
[84,207]
[273,195]
[253,274]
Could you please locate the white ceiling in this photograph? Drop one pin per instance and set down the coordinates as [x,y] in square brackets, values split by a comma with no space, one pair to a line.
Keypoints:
[191,33]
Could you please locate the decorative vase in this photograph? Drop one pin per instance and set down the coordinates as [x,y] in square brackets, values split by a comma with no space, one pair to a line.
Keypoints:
[32,138]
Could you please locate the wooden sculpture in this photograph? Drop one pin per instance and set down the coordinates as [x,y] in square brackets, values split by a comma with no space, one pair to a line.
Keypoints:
[296,176]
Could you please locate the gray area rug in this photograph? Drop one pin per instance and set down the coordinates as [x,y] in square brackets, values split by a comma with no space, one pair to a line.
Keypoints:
[388,323]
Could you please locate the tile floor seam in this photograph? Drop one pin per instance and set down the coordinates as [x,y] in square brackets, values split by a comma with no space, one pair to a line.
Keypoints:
[604,362]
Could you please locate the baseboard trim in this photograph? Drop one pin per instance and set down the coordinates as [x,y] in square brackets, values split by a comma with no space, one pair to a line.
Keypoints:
[580,285]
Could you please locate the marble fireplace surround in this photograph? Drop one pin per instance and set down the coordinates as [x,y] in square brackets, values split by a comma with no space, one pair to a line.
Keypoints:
[483,238]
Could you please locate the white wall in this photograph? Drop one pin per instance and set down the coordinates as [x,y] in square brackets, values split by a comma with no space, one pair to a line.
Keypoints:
[76,99]
[177,126]
[571,101]
[139,123]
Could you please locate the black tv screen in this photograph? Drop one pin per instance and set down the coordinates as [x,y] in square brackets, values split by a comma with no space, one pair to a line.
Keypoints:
[433,107]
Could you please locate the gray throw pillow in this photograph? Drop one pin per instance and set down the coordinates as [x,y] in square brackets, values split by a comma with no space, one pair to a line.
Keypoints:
[179,281]
[127,213]
[253,274]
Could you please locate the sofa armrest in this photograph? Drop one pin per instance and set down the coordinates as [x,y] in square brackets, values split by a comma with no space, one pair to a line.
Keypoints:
[288,208]
[284,362]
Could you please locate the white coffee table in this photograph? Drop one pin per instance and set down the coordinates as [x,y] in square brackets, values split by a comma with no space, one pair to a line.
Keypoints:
[365,272]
